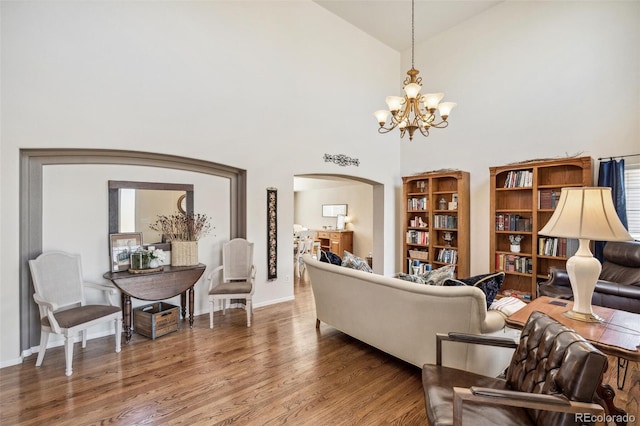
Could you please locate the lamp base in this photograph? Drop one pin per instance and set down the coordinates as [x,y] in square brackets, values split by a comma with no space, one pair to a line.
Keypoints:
[581,316]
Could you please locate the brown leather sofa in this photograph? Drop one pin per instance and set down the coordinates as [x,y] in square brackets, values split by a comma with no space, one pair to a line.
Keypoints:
[554,374]
[619,283]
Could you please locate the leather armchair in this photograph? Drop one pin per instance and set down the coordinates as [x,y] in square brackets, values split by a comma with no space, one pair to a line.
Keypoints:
[618,286]
[553,379]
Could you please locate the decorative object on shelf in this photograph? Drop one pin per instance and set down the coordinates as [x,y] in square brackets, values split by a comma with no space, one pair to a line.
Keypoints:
[156,257]
[139,259]
[586,214]
[448,238]
[121,247]
[442,205]
[453,204]
[407,112]
[515,243]
[272,233]
[341,160]
[183,232]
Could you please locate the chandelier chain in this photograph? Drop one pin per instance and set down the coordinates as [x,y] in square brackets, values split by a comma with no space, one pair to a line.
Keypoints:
[413,37]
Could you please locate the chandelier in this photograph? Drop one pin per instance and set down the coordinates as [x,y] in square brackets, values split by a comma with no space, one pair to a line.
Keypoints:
[414,111]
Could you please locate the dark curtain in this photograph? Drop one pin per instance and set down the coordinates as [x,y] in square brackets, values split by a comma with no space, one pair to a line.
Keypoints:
[611,174]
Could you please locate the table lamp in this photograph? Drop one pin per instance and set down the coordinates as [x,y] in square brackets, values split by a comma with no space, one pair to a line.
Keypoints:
[585,213]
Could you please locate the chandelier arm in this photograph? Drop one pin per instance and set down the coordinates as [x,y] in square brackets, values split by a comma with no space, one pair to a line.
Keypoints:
[441,125]
[383,129]
[424,131]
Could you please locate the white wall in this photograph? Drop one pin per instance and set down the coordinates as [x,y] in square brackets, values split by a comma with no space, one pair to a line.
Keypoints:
[359,200]
[240,83]
[532,80]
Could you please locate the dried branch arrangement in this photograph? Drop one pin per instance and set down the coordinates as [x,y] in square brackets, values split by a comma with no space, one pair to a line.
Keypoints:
[182,227]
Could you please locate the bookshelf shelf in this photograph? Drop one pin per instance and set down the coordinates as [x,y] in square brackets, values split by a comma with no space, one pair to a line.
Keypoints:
[524,211]
[446,215]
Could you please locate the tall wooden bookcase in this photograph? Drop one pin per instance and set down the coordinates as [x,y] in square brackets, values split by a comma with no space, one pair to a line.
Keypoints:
[522,199]
[436,210]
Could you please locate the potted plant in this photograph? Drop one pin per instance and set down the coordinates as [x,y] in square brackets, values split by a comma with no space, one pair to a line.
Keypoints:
[515,243]
[183,232]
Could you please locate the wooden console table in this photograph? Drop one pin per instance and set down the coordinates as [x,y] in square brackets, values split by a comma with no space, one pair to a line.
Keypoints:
[617,335]
[170,282]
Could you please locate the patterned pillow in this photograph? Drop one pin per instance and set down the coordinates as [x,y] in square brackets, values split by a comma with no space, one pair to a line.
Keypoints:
[489,284]
[354,262]
[330,257]
[408,277]
[438,276]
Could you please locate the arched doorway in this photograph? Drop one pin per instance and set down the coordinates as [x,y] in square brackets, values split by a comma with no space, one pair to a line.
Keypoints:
[365,200]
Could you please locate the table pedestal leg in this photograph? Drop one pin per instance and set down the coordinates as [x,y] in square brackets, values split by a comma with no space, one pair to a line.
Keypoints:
[126,317]
[191,300]
[606,393]
[183,304]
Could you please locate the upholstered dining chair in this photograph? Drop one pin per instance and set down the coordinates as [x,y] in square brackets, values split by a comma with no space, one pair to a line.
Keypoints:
[238,276]
[59,293]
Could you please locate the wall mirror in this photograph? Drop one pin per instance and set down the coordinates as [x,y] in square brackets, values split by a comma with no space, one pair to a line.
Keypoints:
[133,206]
[333,210]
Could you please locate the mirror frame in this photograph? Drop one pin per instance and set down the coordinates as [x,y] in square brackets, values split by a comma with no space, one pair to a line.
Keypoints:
[114,199]
[333,210]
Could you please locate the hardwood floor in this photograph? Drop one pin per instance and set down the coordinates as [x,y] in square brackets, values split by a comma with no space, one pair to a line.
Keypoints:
[281,370]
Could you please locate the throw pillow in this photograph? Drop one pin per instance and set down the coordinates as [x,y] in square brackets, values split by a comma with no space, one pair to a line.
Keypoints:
[489,284]
[408,277]
[438,276]
[352,261]
[330,257]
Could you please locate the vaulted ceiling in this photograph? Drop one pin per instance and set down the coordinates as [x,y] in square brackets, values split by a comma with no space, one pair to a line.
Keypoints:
[390,20]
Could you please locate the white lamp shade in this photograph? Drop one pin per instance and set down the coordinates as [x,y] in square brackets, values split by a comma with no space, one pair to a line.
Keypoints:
[412,90]
[381,115]
[431,100]
[586,213]
[445,108]
[394,102]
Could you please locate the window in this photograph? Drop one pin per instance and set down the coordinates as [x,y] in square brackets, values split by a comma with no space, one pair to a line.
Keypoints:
[632,190]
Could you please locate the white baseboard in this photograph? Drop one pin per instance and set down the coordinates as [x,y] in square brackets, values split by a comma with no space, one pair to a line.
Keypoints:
[273,302]
[10,362]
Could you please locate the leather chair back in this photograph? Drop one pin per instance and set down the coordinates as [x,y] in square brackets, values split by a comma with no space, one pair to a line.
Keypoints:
[553,359]
[622,262]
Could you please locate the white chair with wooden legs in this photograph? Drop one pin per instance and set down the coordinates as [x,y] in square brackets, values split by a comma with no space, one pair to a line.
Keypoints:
[238,276]
[59,293]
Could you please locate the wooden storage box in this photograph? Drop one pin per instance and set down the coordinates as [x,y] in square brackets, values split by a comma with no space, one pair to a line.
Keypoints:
[155,320]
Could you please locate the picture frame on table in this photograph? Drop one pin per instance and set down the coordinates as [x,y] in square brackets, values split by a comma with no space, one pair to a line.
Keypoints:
[121,246]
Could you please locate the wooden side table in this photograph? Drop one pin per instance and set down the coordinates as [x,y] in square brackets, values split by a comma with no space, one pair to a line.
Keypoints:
[617,335]
[170,282]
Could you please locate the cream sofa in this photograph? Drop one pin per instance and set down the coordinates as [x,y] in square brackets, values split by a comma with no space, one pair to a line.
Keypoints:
[402,318]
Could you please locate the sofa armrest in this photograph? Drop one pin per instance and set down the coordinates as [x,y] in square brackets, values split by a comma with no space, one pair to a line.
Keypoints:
[491,396]
[631,291]
[476,339]
[558,277]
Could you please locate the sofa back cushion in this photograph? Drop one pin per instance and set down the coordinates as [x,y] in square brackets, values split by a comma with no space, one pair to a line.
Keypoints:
[622,262]
[553,359]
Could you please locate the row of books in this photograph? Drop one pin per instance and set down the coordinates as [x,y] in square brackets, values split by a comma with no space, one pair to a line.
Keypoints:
[519,179]
[513,263]
[513,222]
[417,203]
[417,237]
[448,256]
[548,198]
[420,267]
[552,246]
[445,221]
